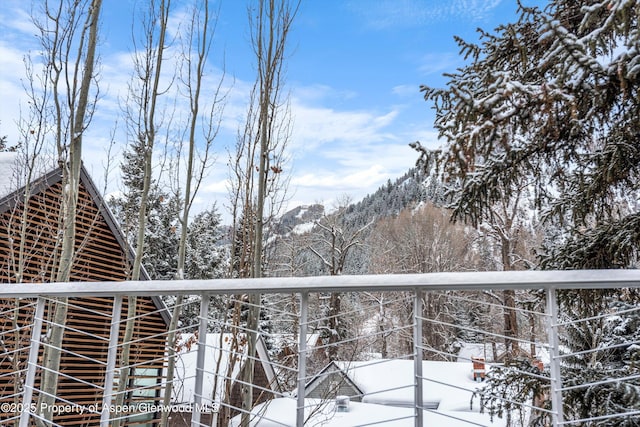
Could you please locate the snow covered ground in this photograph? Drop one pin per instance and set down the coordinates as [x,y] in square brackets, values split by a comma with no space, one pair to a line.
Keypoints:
[282,412]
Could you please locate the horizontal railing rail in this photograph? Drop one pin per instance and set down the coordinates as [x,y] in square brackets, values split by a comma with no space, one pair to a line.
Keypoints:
[497,280]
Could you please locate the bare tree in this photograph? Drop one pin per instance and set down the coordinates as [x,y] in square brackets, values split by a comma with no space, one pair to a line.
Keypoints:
[418,240]
[28,155]
[141,115]
[270,24]
[332,244]
[25,157]
[507,226]
[32,151]
[289,256]
[270,29]
[68,34]
[196,46]
[241,184]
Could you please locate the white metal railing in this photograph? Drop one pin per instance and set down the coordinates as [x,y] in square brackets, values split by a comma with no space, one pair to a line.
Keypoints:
[298,319]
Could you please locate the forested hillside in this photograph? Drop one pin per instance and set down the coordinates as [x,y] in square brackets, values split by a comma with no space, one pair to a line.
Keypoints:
[407,214]
[349,225]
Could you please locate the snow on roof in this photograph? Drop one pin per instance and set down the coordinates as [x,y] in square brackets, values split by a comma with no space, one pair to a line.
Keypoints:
[221,361]
[8,173]
[16,169]
[446,385]
[282,412]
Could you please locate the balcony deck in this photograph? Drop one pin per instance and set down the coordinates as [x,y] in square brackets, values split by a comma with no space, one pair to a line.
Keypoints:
[392,320]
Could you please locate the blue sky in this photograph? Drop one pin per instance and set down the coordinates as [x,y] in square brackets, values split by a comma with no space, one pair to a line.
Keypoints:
[353,73]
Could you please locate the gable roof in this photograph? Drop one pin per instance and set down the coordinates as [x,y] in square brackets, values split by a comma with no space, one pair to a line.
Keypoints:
[10,196]
[325,373]
[9,199]
[446,385]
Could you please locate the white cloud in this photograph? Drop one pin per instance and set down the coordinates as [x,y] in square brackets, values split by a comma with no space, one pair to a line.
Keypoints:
[336,149]
[321,92]
[219,186]
[335,182]
[438,63]
[16,21]
[12,74]
[315,126]
[385,14]
[330,186]
[407,91]
[428,138]
[17,40]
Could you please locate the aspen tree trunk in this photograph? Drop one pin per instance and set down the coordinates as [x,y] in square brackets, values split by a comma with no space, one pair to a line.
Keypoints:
[32,133]
[70,184]
[242,165]
[200,32]
[268,43]
[150,66]
[270,22]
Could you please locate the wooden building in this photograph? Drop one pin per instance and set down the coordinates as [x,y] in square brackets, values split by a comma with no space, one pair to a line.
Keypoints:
[29,252]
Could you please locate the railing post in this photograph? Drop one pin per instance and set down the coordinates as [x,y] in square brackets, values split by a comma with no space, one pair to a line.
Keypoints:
[417,357]
[554,352]
[112,355]
[34,348]
[202,346]
[302,357]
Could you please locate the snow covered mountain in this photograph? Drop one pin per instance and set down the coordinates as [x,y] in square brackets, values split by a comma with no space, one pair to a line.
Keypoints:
[392,197]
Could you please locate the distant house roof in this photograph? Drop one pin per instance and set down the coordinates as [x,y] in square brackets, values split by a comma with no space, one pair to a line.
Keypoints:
[446,385]
[331,381]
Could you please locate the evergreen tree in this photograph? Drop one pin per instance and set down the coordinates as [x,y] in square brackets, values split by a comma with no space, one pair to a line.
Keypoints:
[205,257]
[161,236]
[4,145]
[241,253]
[552,100]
